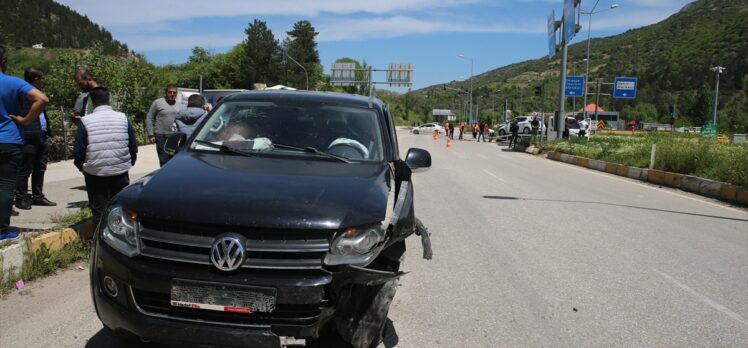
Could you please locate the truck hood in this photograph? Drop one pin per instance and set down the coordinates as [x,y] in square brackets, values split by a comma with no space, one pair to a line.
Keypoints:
[262,192]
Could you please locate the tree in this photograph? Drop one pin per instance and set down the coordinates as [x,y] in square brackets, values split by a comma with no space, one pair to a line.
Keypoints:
[302,47]
[261,63]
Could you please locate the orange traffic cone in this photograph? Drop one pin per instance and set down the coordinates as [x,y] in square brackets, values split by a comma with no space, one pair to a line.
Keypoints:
[449,144]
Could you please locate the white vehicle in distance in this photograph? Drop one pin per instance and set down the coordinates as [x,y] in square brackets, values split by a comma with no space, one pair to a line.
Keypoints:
[428,128]
[524,124]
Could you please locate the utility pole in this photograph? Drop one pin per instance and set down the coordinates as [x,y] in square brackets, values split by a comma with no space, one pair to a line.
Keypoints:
[597,99]
[561,99]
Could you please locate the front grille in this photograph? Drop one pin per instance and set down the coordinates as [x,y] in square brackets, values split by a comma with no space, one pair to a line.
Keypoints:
[158,304]
[266,249]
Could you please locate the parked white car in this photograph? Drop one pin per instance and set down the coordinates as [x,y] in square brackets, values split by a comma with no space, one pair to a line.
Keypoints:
[524,124]
[428,128]
[573,126]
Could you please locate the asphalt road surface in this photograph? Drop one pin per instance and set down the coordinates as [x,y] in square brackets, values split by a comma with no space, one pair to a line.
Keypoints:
[528,252]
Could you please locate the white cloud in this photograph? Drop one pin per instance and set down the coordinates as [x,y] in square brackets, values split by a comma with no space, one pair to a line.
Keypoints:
[138,12]
[172,42]
[385,27]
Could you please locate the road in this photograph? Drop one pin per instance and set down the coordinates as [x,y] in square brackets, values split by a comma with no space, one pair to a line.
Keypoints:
[528,252]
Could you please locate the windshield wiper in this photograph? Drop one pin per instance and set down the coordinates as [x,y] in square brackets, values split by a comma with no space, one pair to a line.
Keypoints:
[225,148]
[313,150]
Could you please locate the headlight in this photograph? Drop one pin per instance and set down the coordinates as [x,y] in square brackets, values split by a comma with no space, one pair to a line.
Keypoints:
[356,246]
[121,231]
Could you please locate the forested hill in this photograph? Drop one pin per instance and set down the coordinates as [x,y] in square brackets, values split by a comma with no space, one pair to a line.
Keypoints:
[672,60]
[24,23]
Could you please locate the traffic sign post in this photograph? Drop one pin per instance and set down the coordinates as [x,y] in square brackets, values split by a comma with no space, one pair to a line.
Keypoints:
[625,87]
[552,34]
[569,20]
[574,86]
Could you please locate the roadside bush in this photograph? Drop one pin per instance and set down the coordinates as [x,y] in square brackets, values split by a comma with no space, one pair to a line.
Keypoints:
[682,153]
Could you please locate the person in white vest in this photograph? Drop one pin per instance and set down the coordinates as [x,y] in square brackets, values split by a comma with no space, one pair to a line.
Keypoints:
[105,149]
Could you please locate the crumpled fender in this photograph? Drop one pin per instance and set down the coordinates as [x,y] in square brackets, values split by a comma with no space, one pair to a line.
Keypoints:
[363,298]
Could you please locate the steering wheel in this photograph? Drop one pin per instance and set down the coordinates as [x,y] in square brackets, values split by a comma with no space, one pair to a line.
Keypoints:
[348,148]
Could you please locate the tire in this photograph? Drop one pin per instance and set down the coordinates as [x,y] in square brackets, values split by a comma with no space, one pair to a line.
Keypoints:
[415,131]
[526,130]
[502,132]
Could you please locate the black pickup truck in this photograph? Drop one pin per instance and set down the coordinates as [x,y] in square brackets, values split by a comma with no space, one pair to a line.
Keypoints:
[282,218]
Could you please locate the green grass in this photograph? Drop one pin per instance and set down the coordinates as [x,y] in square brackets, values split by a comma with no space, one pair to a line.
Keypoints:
[676,152]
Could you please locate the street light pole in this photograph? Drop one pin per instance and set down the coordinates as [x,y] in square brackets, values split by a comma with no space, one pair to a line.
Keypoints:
[717,70]
[302,68]
[589,30]
[471,85]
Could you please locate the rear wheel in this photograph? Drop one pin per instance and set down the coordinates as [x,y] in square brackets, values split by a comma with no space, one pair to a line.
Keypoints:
[526,130]
[502,132]
[415,131]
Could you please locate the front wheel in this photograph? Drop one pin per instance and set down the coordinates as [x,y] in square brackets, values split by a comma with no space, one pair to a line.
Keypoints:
[502,132]
[415,131]
[526,131]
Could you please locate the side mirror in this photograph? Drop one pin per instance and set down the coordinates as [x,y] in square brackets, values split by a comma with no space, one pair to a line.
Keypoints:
[418,160]
[174,143]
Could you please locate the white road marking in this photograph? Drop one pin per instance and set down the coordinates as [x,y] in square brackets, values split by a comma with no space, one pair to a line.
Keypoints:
[494,176]
[635,182]
[703,298]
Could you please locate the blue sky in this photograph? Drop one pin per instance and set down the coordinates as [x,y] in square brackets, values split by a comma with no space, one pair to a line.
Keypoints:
[427,33]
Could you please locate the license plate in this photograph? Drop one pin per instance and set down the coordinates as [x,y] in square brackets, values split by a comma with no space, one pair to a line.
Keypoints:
[222,297]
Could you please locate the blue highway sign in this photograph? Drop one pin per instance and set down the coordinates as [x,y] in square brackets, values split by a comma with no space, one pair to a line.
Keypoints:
[552,34]
[574,86]
[569,21]
[625,87]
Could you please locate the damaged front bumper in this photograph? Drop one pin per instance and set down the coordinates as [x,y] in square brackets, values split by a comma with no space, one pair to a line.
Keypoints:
[353,300]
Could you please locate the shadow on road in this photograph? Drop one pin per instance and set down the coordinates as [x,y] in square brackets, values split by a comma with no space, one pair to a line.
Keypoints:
[616,205]
[104,339]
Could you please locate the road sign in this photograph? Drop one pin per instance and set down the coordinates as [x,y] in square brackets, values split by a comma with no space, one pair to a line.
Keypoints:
[625,87]
[400,75]
[343,74]
[552,34]
[569,20]
[709,130]
[574,86]
[601,124]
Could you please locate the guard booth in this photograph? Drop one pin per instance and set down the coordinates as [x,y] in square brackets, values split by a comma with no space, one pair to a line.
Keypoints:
[442,115]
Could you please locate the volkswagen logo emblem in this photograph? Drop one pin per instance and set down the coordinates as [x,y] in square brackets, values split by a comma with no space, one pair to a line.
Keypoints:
[228,252]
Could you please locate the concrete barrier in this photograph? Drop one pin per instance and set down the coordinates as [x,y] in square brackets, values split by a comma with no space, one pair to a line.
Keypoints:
[742,196]
[656,176]
[597,165]
[709,188]
[729,192]
[13,256]
[690,183]
[672,179]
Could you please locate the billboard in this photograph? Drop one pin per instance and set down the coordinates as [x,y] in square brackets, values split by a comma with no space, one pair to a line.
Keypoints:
[569,20]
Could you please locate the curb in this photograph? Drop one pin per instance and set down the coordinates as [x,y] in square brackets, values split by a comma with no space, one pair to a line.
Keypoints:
[709,188]
[13,255]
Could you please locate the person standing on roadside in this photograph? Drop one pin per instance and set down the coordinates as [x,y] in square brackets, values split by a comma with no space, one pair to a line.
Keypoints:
[160,119]
[11,136]
[514,130]
[86,82]
[482,132]
[462,129]
[582,127]
[35,150]
[105,149]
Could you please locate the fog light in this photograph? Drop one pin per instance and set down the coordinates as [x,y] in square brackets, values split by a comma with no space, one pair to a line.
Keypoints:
[110,286]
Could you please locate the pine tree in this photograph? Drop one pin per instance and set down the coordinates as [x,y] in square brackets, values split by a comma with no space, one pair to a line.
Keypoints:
[303,48]
[261,63]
